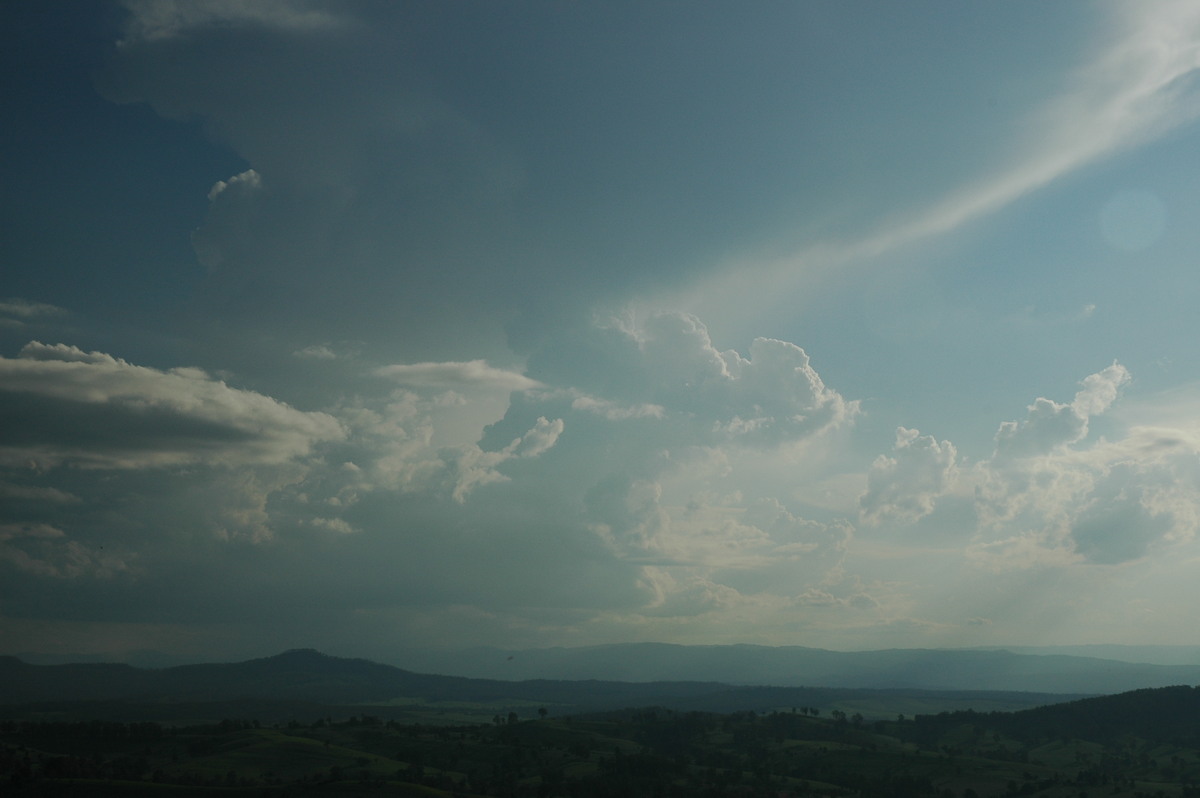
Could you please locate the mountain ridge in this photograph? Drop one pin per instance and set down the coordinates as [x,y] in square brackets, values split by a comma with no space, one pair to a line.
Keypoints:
[307,675]
[784,666]
[614,675]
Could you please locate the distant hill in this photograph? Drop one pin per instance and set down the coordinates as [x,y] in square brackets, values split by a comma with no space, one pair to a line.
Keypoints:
[300,674]
[305,675]
[1158,655]
[928,669]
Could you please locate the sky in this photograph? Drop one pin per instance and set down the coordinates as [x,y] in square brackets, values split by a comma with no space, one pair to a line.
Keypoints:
[376,327]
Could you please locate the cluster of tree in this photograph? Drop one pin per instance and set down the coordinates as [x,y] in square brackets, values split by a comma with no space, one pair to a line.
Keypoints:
[1073,749]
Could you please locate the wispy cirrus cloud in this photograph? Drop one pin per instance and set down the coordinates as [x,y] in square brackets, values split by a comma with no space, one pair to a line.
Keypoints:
[1142,82]
[16,312]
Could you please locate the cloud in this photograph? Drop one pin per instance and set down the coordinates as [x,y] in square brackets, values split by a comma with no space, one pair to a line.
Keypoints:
[417,209]
[669,445]
[1100,390]
[43,550]
[16,312]
[904,487]
[1050,425]
[36,494]
[231,224]
[676,517]
[397,441]
[476,467]
[675,594]
[359,172]
[1049,496]
[615,411]
[1136,88]
[316,352]
[666,366]
[37,531]
[247,182]
[156,20]
[90,409]
[472,374]
[1138,84]
[640,473]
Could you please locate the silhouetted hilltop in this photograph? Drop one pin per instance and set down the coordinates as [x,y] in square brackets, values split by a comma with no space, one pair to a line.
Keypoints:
[300,674]
[1164,714]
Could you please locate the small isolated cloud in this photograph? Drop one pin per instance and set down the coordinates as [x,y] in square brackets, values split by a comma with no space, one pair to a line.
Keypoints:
[316,352]
[64,405]
[474,374]
[16,312]
[338,525]
[231,219]
[156,20]
[248,181]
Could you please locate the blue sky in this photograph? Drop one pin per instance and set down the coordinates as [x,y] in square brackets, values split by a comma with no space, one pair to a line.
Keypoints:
[377,326]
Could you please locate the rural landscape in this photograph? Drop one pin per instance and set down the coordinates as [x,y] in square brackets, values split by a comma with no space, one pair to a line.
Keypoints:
[306,724]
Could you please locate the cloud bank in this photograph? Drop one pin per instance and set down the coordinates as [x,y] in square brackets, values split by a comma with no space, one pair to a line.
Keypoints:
[93,410]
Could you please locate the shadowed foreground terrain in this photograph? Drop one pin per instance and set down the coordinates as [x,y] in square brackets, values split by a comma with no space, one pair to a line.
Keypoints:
[1144,743]
[306,724]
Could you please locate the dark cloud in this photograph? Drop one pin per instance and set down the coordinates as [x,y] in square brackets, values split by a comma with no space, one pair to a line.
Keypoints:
[64,405]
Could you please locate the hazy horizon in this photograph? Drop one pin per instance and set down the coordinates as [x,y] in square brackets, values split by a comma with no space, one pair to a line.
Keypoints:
[450,660]
[370,326]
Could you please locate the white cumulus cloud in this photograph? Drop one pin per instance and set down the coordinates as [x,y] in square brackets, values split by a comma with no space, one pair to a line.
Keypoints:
[904,487]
